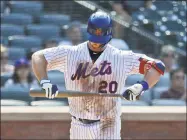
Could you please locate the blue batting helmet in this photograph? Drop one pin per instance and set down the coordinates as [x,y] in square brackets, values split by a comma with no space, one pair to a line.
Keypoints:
[99,28]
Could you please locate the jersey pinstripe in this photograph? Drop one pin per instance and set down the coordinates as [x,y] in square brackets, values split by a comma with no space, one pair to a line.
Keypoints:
[106,75]
[67,59]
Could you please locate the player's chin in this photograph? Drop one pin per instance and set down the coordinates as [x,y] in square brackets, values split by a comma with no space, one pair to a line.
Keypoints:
[95,45]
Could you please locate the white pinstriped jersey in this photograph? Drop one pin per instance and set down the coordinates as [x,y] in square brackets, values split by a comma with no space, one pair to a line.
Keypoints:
[106,75]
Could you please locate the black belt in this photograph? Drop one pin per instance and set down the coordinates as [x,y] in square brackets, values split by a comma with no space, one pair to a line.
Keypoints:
[86,121]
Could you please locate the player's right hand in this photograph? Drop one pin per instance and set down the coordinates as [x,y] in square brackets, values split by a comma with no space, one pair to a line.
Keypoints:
[51,91]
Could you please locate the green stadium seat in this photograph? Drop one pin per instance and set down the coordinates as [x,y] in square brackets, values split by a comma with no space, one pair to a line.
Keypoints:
[132,79]
[171,39]
[16,18]
[174,26]
[16,93]
[149,27]
[33,8]
[10,102]
[164,81]
[157,91]
[57,39]
[10,29]
[84,32]
[4,40]
[25,42]
[151,15]
[5,77]
[163,6]
[134,103]
[48,103]
[45,32]
[146,96]
[56,19]
[2,6]
[15,53]
[57,77]
[168,102]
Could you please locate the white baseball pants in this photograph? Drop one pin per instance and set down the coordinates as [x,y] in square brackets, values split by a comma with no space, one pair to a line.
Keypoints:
[105,129]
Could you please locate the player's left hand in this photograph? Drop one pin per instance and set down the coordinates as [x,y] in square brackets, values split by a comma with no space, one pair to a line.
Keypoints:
[133,92]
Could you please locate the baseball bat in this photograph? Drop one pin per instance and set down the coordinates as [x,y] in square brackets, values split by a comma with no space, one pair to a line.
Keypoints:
[68,93]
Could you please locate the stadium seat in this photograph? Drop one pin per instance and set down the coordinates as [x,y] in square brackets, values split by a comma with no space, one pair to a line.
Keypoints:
[10,102]
[168,102]
[171,39]
[48,103]
[147,96]
[57,39]
[84,32]
[119,43]
[138,16]
[171,16]
[151,15]
[182,15]
[174,26]
[149,27]
[157,91]
[163,6]
[16,18]
[180,40]
[45,32]
[181,37]
[159,27]
[164,81]
[132,79]
[29,7]
[17,93]
[133,103]
[15,53]
[182,6]
[25,42]
[10,29]
[4,40]
[2,6]
[56,19]
[64,100]
[57,77]
[5,77]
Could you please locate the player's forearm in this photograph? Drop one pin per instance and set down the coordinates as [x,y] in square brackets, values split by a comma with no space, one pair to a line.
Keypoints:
[39,65]
[133,92]
[152,76]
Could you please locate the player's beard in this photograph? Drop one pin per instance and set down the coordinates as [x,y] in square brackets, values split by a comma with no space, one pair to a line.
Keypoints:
[96,47]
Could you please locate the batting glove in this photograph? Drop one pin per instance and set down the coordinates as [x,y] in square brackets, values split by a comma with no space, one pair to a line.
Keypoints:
[51,90]
[133,92]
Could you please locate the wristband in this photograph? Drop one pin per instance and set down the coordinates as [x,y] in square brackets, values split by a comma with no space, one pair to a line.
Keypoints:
[144,85]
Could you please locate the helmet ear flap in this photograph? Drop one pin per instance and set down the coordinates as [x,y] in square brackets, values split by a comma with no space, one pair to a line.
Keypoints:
[109,39]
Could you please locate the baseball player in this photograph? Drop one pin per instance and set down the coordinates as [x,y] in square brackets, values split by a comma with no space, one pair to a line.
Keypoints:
[96,66]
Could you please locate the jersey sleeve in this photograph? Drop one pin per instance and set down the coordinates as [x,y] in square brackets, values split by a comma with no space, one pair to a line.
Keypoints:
[57,57]
[132,62]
